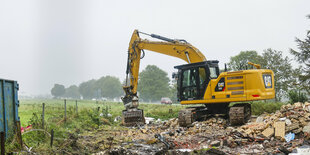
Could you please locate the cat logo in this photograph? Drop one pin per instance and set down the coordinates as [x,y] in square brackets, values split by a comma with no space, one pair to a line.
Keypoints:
[267,81]
[220,85]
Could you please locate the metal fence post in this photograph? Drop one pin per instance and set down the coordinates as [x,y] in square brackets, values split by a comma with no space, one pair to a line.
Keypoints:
[76,107]
[43,111]
[65,110]
[107,110]
[52,137]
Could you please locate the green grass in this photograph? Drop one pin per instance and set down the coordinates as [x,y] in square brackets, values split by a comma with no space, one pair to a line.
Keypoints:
[52,107]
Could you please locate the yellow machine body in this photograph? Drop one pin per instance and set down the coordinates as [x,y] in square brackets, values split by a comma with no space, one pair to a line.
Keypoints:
[239,86]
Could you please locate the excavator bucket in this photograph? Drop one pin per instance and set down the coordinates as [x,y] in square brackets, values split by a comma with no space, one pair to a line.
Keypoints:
[133,117]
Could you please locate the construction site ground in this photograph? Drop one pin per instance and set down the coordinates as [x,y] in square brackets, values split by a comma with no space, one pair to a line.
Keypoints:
[283,132]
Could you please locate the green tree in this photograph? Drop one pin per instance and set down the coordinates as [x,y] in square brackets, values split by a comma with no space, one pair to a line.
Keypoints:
[240,61]
[173,92]
[282,68]
[87,89]
[109,86]
[153,84]
[303,58]
[58,90]
[72,92]
[296,96]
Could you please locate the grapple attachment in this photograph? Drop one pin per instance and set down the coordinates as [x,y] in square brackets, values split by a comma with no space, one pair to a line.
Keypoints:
[133,117]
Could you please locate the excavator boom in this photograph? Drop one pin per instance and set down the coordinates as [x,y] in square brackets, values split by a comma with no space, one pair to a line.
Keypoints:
[171,47]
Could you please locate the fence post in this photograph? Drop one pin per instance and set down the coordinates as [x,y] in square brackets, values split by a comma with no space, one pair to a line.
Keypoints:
[19,134]
[43,110]
[2,143]
[52,137]
[76,107]
[107,111]
[65,110]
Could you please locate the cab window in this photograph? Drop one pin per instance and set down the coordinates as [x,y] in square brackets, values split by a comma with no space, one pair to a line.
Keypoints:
[213,73]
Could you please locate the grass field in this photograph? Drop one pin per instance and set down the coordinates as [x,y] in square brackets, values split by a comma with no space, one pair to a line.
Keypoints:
[52,107]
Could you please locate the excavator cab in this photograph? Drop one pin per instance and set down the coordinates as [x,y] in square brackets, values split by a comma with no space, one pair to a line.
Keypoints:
[192,79]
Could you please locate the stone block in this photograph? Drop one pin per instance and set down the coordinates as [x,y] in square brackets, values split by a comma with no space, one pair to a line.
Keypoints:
[269,132]
[279,129]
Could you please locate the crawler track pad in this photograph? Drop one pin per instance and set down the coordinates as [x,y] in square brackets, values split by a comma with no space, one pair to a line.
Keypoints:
[239,114]
[133,117]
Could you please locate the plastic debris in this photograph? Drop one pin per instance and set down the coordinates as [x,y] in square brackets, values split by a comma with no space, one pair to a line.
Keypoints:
[149,120]
[289,137]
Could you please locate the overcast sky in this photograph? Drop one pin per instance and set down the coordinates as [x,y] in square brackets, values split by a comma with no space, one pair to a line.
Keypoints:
[43,42]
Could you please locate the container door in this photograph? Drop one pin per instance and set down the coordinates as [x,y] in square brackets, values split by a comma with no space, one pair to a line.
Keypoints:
[1,109]
[9,108]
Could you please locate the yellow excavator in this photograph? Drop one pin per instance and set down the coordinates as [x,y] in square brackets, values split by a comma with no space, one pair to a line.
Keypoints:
[198,82]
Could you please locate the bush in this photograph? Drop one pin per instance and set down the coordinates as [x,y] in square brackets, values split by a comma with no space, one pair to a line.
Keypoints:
[259,108]
[297,96]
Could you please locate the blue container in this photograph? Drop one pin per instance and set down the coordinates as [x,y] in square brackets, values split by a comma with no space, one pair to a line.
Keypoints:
[8,107]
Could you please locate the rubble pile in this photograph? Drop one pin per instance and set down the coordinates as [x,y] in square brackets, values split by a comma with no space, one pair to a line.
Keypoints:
[285,131]
[289,119]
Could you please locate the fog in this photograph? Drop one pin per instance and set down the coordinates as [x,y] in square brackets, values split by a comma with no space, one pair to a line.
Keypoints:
[43,42]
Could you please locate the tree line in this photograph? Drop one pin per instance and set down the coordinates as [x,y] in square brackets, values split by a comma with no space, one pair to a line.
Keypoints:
[106,87]
[153,85]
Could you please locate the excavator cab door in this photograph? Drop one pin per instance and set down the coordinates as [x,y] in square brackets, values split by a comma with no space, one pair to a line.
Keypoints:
[194,78]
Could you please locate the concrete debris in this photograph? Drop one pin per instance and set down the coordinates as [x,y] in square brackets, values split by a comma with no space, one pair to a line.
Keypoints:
[279,129]
[288,122]
[268,132]
[259,119]
[284,131]
[215,143]
[302,150]
[306,129]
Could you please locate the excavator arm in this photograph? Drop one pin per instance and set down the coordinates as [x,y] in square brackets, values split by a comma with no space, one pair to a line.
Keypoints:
[171,47]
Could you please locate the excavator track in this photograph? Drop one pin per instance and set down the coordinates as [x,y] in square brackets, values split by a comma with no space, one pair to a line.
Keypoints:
[239,113]
[191,114]
[186,117]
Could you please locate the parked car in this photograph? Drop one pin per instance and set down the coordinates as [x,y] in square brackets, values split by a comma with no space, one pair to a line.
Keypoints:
[165,100]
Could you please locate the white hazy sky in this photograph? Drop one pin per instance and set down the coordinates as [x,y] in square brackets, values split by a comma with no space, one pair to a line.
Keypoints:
[43,42]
